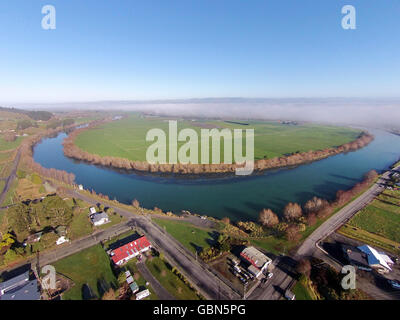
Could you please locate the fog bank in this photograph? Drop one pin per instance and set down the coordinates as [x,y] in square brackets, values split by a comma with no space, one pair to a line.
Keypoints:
[363,112]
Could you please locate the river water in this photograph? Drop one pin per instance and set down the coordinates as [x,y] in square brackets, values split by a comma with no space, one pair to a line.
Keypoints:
[240,198]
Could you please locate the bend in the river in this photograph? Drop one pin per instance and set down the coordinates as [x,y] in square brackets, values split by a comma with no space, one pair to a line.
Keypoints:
[240,198]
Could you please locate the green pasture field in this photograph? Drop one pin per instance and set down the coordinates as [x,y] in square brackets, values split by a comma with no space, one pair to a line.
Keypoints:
[186,233]
[162,271]
[89,267]
[381,217]
[5,145]
[126,138]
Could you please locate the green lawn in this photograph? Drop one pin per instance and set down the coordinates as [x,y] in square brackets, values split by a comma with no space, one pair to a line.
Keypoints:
[301,292]
[9,199]
[4,145]
[162,271]
[80,226]
[5,156]
[126,138]
[378,224]
[186,233]
[273,244]
[114,219]
[383,222]
[89,267]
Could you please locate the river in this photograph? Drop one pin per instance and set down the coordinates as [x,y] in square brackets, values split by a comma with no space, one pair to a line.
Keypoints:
[239,198]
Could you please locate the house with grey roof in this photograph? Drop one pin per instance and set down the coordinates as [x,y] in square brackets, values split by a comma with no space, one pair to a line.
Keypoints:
[99,218]
[20,288]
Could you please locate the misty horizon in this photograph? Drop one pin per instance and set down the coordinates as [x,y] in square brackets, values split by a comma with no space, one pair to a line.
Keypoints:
[378,112]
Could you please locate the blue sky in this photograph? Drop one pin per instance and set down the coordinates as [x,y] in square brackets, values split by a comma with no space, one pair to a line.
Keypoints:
[166,49]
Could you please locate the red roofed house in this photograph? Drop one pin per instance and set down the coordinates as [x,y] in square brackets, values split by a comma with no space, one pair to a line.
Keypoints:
[130,250]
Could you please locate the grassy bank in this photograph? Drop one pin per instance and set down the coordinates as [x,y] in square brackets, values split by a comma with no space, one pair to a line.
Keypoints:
[126,138]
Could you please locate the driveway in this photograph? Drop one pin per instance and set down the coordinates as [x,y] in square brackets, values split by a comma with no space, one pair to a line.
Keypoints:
[161,293]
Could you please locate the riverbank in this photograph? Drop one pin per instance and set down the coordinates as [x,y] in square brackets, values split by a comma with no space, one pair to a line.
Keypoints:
[71,150]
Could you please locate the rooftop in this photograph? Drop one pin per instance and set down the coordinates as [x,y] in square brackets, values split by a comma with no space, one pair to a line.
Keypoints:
[20,288]
[98,217]
[130,249]
[374,257]
[255,257]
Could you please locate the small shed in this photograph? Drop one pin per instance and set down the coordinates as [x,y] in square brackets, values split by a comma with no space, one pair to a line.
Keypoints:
[134,287]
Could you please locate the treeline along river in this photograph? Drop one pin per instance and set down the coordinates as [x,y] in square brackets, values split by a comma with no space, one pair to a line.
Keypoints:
[237,197]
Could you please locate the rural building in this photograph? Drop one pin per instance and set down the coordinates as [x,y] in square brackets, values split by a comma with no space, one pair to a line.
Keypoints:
[20,288]
[134,287]
[142,294]
[92,210]
[62,240]
[34,238]
[130,250]
[80,187]
[356,257]
[254,271]
[367,258]
[99,218]
[377,260]
[256,258]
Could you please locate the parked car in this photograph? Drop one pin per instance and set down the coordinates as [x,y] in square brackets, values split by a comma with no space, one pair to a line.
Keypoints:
[289,295]
[270,275]
[394,284]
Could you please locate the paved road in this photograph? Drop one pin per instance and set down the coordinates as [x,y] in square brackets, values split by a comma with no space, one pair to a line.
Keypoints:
[11,177]
[282,280]
[275,287]
[208,284]
[77,245]
[161,293]
[341,217]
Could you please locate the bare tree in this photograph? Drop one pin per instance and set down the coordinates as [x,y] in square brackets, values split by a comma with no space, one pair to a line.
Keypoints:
[304,267]
[315,204]
[135,203]
[292,211]
[268,218]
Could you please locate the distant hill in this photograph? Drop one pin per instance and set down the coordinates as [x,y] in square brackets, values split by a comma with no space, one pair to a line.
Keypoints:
[35,115]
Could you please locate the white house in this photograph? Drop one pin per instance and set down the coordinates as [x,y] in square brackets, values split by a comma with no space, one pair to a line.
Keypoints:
[99,218]
[62,240]
[80,187]
[142,294]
